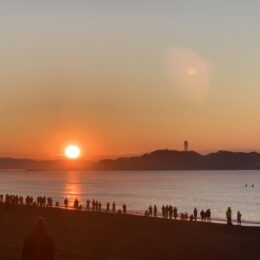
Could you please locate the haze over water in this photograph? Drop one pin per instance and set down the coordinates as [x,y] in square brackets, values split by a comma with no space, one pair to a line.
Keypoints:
[184,189]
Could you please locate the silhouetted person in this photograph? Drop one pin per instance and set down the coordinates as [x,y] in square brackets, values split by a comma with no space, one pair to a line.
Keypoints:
[96,206]
[229,216]
[150,210]
[202,215]
[195,213]
[239,215]
[163,211]
[175,213]
[124,209]
[66,202]
[76,204]
[108,206]
[88,205]
[38,245]
[114,207]
[166,211]
[208,215]
[155,211]
[170,211]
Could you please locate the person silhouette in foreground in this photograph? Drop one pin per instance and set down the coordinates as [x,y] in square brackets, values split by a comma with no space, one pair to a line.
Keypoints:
[239,215]
[38,245]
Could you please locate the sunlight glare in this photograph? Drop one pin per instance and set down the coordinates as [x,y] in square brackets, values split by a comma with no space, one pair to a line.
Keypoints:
[72,152]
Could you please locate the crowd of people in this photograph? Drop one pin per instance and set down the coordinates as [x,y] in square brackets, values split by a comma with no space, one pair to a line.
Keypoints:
[170,212]
[12,201]
[167,211]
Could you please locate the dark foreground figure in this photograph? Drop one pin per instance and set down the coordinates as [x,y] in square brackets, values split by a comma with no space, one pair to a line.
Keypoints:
[38,245]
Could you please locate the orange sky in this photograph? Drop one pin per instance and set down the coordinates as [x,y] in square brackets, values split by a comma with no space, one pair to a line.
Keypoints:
[119,80]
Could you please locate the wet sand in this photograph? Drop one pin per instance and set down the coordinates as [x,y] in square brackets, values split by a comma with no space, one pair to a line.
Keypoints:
[81,235]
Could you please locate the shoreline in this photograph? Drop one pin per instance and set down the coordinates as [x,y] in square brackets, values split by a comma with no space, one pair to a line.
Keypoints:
[133,212]
[122,170]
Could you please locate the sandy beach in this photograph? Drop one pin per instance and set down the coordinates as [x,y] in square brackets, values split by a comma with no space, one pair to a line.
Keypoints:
[81,235]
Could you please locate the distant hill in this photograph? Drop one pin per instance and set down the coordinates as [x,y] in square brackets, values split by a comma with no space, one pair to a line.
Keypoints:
[156,160]
[11,164]
[177,160]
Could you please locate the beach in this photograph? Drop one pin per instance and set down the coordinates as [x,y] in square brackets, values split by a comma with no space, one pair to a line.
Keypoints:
[93,235]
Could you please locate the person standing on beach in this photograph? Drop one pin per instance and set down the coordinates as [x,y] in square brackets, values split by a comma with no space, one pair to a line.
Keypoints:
[229,216]
[170,211]
[163,211]
[202,215]
[76,204]
[114,207]
[38,245]
[175,213]
[155,211]
[108,206]
[88,205]
[124,208]
[239,215]
[66,202]
[150,210]
[195,213]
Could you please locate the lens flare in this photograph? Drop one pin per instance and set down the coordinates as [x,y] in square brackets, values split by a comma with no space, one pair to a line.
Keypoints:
[190,74]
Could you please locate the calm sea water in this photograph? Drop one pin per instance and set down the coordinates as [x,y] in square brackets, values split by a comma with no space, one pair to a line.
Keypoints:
[184,189]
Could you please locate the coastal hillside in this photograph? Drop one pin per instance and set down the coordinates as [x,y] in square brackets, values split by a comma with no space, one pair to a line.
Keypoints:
[156,160]
[177,160]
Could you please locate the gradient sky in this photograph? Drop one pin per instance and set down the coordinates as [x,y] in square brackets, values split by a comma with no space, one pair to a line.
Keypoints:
[123,77]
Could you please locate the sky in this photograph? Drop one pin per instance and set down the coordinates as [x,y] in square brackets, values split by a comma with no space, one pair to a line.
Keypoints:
[126,77]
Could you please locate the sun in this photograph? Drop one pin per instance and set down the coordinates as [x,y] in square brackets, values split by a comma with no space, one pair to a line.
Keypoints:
[72,152]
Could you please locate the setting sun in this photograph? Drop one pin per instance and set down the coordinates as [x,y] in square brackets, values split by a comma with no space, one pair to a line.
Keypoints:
[72,152]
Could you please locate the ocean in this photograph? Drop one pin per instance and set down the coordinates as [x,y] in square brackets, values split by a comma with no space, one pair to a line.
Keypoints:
[216,190]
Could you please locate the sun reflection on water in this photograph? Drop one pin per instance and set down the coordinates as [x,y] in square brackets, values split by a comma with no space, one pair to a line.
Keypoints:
[72,189]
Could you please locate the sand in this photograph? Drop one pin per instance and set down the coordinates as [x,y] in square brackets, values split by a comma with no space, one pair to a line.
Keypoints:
[81,235]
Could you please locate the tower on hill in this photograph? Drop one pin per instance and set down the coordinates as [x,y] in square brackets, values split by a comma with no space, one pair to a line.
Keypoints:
[186,146]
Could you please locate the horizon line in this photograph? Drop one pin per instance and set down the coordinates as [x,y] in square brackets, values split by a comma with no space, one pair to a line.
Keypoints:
[118,156]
